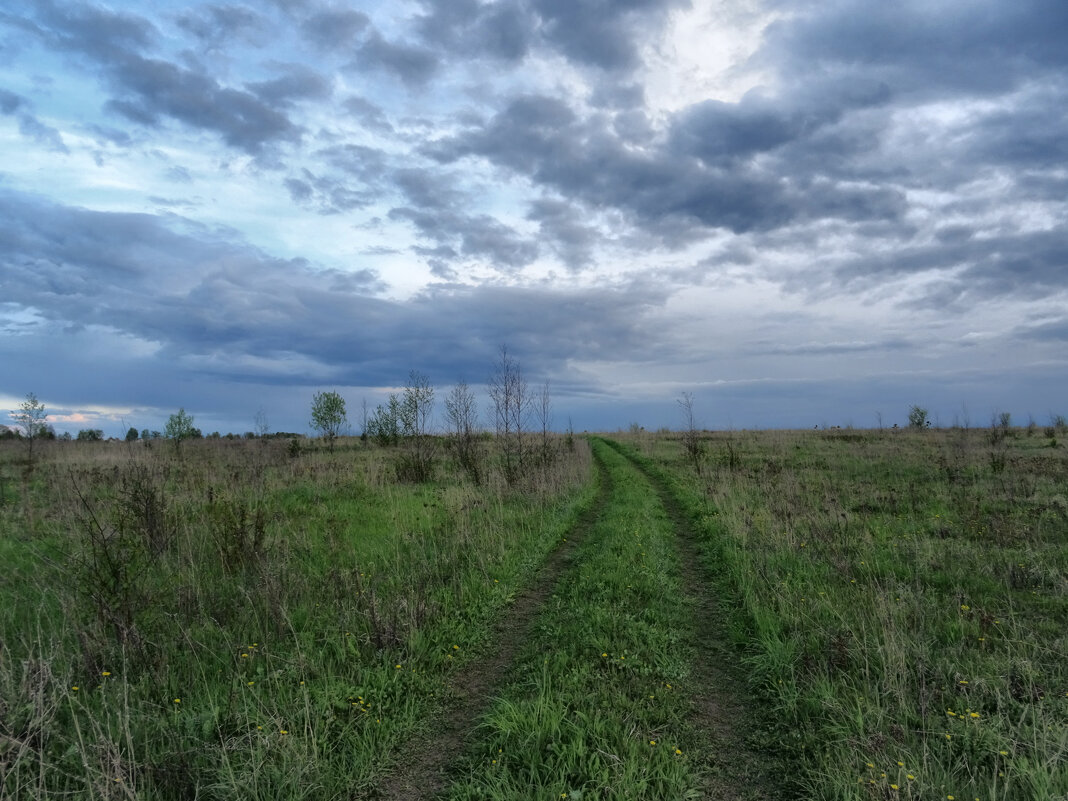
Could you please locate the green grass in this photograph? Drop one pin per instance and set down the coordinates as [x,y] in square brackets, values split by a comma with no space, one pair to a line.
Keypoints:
[595,708]
[903,597]
[235,623]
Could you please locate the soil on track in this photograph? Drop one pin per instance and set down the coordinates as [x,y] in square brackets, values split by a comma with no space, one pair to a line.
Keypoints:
[741,761]
[421,773]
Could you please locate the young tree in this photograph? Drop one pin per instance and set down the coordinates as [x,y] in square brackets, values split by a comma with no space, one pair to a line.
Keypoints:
[31,416]
[543,412]
[416,413]
[384,424]
[261,424]
[328,415]
[510,405]
[461,416]
[691,441]
[918,418]
[179,427]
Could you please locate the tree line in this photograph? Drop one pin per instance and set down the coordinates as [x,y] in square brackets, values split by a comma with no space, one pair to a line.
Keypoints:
[520,421]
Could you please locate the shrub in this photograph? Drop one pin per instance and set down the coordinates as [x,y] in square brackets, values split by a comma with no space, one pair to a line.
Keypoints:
[918,418]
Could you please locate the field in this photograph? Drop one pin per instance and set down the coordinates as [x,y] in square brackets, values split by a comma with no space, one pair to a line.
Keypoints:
[821,614]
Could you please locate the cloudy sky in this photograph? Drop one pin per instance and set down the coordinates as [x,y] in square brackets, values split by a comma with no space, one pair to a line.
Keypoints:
[801,212]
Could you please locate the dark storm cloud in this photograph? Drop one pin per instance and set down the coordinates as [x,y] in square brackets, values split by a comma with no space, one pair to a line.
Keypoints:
[220,24]
[367,164]
[411,64]
[924,48]
[1029,134]
[296,83]
[154,88]
[45,135]
[9,101]
[479,237]
[1050,331]
[559,225]
[150,88]
[335,28]
[1025,264]
[719,132]
[368,114]
[543,138]
[437,209]
[114,136]
[29,125]
[495,30]
[604,34]
[206,297]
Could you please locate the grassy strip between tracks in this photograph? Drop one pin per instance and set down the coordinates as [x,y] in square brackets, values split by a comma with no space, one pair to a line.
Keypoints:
[593,708]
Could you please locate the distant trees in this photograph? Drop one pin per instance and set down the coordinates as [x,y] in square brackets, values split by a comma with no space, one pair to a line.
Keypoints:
[328,415]
[91,435]
[131,434]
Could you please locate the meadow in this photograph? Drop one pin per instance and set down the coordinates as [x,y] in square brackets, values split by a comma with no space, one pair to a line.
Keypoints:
[901,598]
[820,614]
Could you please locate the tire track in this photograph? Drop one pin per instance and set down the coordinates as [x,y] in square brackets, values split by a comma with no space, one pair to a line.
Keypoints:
[737,737]
[422,774]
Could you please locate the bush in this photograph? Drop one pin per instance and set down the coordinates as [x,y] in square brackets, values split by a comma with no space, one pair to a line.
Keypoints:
[918,418]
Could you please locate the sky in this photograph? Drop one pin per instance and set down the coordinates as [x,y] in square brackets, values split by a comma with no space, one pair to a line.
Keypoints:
[803,213]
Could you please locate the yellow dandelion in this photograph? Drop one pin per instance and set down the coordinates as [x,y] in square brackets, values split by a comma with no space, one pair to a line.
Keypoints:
[282,731]
[105,673]
[1003,753]
[894,787]
[678,752]
[456,648]
[974,714]
[398,667]
[901,764]
[910,777]
[177,700]
[75,688]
